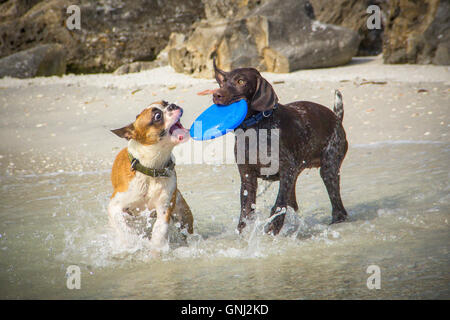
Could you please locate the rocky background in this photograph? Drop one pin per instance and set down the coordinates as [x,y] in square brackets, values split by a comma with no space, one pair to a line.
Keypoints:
[113,32]
[271,35]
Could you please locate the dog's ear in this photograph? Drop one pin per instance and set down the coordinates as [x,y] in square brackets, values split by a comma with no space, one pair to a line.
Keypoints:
[264,97]
[125,132]
[219,74]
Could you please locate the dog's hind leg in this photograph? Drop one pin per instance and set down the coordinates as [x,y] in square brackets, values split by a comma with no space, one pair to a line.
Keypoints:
[182,214]
[331,162]
[286,197]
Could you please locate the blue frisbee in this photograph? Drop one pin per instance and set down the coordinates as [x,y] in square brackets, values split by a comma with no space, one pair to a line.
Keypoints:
[218,120]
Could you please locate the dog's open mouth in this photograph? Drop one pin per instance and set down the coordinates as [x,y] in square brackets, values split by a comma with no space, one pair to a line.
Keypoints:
[219,101]
[178,132]
[234,99]
[177,125]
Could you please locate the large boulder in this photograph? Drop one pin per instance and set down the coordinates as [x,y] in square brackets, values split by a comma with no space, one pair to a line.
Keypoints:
[42,60]
[113,32]
[353,14]
[418,32]
[271,35]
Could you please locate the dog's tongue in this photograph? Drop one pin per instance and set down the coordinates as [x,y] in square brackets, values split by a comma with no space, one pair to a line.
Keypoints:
[179,132]
[182,136]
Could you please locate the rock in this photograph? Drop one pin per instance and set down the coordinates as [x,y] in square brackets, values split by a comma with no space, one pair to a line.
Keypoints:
[42,60]
[418,32]
[353,14]
[175,40]
[305,42]
[236,9]
[13,9]
[137,67]
[274,36]
[112,33]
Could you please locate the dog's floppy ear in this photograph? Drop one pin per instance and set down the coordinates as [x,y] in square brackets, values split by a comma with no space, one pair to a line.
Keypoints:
[219,74]
[125,132]
[264,97]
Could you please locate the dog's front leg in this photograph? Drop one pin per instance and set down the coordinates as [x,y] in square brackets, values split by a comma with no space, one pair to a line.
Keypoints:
[118,209]
[159,241]
[249,185]
[160,232]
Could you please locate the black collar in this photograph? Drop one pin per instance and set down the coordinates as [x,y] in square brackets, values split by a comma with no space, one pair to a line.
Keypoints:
[137,166]
[257,118]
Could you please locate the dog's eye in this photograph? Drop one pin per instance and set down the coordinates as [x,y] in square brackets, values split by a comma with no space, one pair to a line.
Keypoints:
[241,82]
[157,116]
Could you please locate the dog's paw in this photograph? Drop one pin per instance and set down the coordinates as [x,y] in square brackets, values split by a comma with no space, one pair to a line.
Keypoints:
[241,226]
[275,224]
[339,217]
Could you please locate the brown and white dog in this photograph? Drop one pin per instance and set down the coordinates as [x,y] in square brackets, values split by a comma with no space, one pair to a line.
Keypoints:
[143,175]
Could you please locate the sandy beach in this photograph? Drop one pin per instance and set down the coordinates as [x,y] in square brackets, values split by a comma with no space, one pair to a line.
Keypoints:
[68,118]
[56,154]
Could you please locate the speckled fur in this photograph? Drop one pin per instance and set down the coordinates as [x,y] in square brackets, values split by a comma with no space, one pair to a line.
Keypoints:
[311,136]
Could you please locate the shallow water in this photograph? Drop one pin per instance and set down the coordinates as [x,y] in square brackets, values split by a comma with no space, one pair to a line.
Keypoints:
[396,193]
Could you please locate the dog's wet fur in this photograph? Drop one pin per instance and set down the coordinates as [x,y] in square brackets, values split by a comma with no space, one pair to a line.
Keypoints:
[310,136]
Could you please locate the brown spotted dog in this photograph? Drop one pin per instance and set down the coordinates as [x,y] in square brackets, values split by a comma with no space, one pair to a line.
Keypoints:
[310,136]
[143,174]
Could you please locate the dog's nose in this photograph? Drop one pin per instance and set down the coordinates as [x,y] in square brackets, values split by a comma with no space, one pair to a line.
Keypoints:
[217,95]
[172,107]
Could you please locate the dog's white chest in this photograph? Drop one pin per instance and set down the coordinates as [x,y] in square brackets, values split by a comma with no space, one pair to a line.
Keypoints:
[154,191]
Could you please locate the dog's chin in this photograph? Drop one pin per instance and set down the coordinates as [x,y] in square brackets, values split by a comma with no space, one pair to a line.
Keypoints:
[177,133]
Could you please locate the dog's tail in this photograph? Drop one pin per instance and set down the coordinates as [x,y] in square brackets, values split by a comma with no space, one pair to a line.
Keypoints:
[338,105]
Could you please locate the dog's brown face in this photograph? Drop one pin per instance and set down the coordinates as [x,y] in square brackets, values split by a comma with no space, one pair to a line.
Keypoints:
[244,83]
[159,122]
